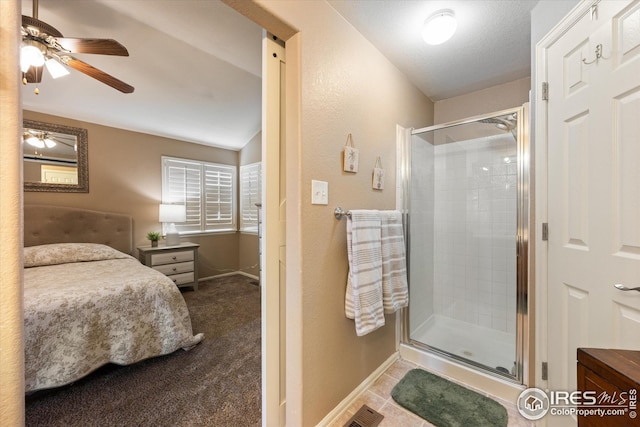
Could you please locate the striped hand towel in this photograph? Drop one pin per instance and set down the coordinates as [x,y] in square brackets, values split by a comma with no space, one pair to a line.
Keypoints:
[395,291]
[363,298]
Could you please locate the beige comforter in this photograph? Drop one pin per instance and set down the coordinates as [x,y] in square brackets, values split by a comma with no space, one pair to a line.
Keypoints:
[87,305]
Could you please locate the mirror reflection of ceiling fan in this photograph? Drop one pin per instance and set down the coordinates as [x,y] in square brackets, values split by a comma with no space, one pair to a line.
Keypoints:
[41,139]
[44,46]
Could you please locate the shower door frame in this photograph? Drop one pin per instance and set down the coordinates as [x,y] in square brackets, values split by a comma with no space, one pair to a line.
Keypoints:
[524,325]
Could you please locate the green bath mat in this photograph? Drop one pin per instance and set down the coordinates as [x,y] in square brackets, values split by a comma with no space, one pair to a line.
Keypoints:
[446,404]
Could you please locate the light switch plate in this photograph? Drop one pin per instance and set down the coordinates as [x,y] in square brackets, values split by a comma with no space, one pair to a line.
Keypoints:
[319,192]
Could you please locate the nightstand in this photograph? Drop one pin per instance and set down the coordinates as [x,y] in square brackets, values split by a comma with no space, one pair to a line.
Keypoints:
[179,263]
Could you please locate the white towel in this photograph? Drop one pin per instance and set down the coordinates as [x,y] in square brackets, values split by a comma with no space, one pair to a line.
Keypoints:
[363,297]
[377,280]
[395,291]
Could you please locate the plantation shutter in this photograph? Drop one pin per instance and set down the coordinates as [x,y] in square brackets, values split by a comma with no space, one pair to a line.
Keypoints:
[193,198]
[218,190]
[250,194]
[207,190]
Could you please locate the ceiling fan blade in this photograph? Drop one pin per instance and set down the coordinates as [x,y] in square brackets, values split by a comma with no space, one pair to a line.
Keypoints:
[34,74]
[97,74]
[97,46]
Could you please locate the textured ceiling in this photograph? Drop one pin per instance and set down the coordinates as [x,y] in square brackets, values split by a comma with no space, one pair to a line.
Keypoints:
[196,65]
[491,45]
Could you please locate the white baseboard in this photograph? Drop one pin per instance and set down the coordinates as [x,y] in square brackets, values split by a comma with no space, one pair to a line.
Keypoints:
[346,403]
[251,276]
[233,273]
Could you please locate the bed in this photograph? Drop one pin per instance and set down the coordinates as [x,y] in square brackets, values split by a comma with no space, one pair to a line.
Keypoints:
[88,302]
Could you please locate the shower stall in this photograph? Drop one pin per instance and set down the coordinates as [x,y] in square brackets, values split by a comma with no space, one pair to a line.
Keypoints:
[466,203]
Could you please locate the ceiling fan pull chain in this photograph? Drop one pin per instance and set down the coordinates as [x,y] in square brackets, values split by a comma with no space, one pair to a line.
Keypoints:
[36,90]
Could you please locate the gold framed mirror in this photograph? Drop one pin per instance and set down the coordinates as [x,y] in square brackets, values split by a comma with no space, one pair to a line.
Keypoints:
[55,158]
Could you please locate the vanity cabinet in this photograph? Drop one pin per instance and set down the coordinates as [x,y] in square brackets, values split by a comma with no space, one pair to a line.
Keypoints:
[179,263]
[613,373]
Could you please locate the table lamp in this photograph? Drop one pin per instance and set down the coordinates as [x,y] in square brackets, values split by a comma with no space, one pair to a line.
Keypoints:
[171,214]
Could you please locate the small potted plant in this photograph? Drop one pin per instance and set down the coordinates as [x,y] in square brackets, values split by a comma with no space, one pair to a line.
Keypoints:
[154,236]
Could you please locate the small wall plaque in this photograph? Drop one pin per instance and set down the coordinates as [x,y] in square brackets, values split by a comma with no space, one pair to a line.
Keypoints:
[350,156]
[378,175]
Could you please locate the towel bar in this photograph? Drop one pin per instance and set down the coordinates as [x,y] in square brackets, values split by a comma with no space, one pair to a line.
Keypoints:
[339,213]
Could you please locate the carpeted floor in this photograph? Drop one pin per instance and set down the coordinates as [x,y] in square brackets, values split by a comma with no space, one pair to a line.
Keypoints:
[217,383]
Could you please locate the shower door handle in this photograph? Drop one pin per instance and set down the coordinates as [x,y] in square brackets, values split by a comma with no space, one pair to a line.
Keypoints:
[624,288]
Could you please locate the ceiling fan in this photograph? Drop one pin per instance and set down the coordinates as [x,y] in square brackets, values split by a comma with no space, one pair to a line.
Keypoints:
[42,139]
[43,45]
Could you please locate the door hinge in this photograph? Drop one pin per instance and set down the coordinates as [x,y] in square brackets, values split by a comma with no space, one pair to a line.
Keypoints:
[545,371]
[545,91]
[545,231]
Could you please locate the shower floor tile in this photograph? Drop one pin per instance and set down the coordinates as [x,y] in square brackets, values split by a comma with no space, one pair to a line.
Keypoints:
[378,397]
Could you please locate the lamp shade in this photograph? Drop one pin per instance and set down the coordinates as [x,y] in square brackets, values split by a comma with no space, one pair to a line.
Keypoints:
[30,56]
[172,213]
[35,141]
[55,68]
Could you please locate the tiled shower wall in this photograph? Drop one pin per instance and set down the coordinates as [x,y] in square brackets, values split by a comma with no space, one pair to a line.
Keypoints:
[474,215]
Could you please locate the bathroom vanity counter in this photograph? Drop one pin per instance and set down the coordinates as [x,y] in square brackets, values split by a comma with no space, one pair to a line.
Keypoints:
[614,376]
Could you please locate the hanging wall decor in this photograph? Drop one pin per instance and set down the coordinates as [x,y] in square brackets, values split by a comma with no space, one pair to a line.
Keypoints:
[350,156]
[378,175]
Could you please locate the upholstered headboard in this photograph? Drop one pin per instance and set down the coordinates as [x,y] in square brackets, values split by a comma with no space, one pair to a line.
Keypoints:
[57,224]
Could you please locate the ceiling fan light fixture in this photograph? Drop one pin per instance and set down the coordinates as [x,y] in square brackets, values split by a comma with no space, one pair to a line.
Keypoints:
[439,27]
[42,42]
[30,56]
[35,141]
[55,68]
[50,143]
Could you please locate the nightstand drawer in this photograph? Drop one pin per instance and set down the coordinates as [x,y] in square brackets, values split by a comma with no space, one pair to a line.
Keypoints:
[181,279]
[171,257]
[181,267]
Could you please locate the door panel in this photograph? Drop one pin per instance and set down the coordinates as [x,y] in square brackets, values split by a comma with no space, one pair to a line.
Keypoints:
[576,188]
[593,189]
[626,178]
[568,194]
[273,262]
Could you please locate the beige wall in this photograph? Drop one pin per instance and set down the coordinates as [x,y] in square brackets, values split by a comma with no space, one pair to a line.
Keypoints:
[31,171]
[252,151]
[496,98]
[11,313]
[125,176]
[346,86]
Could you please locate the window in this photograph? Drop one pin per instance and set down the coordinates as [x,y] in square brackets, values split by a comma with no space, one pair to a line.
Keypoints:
[207,189]
[250,194]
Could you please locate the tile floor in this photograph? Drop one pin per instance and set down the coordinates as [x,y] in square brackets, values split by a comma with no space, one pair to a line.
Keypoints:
[378,397]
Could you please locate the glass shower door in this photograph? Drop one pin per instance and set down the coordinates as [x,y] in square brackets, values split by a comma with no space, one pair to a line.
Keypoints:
[463,216]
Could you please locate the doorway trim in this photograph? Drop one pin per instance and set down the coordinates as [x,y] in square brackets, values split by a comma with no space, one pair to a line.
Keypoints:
[292,380]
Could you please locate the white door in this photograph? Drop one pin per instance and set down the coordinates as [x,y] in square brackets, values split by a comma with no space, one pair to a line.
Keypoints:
[593,189]
[273,241]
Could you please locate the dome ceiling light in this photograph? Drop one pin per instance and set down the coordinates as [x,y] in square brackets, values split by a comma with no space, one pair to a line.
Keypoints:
[439,27]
